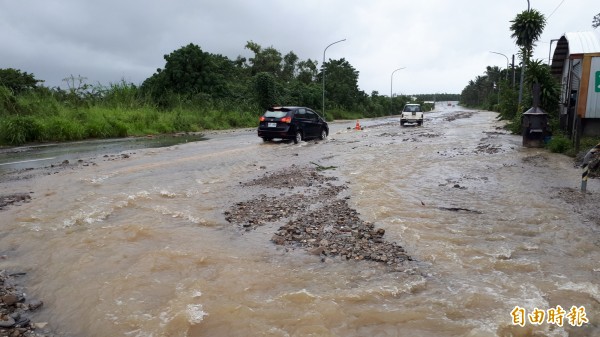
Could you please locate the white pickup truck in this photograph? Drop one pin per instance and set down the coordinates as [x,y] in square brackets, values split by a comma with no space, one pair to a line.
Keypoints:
[411,113]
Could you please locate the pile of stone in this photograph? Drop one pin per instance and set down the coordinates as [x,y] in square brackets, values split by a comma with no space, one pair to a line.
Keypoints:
[336,230]
[14,309]
[313,214]
[15,198]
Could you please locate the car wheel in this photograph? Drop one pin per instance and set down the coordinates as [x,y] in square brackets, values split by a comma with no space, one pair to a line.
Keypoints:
[298,137]
[323,134]
[266,139]
[401,123]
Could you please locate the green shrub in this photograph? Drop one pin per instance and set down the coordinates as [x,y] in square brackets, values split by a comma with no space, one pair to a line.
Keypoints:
[34,103]
[118,128]
[59,128]
[96,126]
[559,144]
[589,142]
[8,102]
[18,130]
[515,124]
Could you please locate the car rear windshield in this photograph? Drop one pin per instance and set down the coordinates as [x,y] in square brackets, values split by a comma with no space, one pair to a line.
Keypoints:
[276,113]
[412,108]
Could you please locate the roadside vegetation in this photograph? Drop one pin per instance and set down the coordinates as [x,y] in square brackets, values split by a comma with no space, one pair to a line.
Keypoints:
[195,91]
[499,89]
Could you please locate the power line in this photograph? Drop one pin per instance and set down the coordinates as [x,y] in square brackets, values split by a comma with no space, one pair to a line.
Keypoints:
[555,9]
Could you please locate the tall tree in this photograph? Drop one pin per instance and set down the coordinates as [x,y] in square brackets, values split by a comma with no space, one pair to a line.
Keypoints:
[539,72]
[264,60]
[307,71]
[527,27]
[494,74]
[189,71]
[289,66]
[265,89]
[341,86]
[17,81]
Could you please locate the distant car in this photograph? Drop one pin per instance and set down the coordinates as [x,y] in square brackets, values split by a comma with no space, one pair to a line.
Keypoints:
[411,113]
[292,122]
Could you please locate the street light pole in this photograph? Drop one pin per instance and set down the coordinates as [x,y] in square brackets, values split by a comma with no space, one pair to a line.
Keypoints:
[495,52]
[391,85]
[323,65]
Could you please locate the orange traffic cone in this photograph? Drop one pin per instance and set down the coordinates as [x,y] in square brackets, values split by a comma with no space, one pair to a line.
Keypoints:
[357,127]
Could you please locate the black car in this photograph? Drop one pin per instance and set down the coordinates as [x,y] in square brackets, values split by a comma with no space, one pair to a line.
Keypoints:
[292,122]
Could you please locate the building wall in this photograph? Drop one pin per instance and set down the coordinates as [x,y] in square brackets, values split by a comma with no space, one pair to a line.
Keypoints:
[593,94]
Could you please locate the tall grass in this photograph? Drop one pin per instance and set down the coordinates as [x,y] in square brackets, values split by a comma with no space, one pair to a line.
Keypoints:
[42,118]
[560,143]
[336,113]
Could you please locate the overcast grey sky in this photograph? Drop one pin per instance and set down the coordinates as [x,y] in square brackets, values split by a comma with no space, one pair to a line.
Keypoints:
[443,44]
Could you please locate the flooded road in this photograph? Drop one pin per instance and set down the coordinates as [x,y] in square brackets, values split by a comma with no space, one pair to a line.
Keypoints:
[139,245]
[46,154]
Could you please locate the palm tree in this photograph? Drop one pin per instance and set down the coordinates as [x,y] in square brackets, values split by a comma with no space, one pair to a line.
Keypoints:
[527,27]
[539,72]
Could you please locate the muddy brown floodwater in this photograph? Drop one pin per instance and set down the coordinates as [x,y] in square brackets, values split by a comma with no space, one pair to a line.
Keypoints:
[440,230]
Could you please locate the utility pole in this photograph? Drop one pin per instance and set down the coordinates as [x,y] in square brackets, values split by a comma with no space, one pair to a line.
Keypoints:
[513,69]
[523,65]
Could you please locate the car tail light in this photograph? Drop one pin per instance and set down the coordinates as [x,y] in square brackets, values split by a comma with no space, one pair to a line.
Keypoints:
[286,119]
[262,118]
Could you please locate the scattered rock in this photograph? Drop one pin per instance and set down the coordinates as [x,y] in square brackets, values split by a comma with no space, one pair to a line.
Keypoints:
[538,160]
[14,320]
[488,149]
[36,304]
[585,204]
[9,299]
[317,219]
[459,115]
[460,209]
[7,322]
[16,198]
[40,325]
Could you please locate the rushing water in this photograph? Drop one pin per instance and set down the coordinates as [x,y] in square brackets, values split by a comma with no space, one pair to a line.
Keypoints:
[46,154]
[140,247]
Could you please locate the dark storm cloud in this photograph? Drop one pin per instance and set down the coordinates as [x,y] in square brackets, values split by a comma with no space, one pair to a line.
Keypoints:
[442,44]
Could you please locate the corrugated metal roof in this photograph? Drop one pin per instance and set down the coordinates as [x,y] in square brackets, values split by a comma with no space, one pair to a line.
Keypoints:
[574,43]
[583,42]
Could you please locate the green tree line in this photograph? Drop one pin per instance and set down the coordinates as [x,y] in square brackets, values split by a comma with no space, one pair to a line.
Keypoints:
[195,90]
[499,89]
